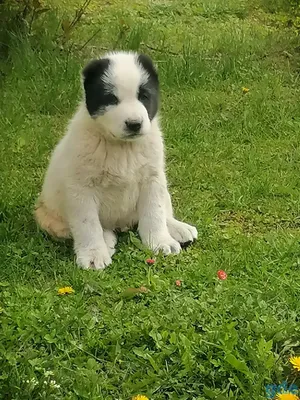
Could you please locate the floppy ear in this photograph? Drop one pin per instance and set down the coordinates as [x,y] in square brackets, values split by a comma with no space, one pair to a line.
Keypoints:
[148,66]
[149,91]
[94,85]
[94,70]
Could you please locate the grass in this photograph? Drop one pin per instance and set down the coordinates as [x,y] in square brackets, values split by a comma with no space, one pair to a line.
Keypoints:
[233,166]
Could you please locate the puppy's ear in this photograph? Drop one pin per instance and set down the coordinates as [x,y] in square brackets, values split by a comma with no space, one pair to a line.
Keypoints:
[148,66]
[95,70]
[94,85]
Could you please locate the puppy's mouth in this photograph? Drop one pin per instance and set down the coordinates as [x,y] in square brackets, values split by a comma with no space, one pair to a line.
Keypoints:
[133,136]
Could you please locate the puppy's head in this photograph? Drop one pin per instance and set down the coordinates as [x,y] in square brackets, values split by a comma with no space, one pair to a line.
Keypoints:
[121,94]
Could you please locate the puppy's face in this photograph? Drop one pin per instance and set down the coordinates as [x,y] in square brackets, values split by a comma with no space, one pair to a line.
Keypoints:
[121,92]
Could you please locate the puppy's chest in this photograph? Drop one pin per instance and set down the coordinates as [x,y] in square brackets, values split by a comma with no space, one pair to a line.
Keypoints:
[118,170]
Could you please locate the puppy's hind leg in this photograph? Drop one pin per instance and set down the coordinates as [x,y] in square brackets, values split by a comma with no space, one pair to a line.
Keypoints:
[51,222]
[110,239]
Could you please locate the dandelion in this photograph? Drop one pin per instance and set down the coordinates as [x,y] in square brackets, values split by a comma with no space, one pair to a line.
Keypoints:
[65,290]
[140,397]
[295,361]
[245,90]
[287,396]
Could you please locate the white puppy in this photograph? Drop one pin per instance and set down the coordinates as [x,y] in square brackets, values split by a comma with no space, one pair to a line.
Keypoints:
[108,173]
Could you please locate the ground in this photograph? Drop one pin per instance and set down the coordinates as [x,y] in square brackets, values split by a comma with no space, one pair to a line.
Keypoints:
[233,162]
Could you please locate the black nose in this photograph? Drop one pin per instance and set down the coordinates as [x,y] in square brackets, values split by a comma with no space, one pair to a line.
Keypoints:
[133,126]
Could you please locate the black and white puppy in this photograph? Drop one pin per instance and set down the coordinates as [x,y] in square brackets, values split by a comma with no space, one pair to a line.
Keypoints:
[108,171]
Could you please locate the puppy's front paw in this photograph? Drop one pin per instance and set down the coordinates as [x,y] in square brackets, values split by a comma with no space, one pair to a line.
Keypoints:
[97,258]
[166,244]
[181,231]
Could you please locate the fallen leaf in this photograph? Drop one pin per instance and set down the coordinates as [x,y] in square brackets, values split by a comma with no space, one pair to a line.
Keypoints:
[131,292]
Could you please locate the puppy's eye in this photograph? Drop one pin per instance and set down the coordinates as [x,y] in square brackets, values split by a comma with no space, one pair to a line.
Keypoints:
[143,95]
[112,99]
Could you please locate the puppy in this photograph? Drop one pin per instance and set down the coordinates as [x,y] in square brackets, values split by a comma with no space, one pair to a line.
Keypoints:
[107,172]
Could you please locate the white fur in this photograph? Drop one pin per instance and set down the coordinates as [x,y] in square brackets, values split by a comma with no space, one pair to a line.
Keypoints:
[97,183]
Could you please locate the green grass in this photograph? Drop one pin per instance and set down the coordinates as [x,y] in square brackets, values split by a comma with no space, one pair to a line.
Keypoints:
[233,166]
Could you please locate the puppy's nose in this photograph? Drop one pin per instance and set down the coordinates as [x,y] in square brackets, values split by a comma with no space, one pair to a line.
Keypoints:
[133,126]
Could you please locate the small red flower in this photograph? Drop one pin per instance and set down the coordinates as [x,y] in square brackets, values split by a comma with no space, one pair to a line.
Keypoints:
[150,261]
[178,282]
[222,275]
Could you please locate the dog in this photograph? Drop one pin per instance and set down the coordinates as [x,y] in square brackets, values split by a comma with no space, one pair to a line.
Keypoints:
[108,172]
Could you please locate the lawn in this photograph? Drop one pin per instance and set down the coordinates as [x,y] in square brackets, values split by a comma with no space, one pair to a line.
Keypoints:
[233,164]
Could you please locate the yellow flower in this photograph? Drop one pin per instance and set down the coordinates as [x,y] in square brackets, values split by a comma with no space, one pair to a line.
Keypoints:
[245,90]
[140,397]
[295,361]
[65,290]
[287,396]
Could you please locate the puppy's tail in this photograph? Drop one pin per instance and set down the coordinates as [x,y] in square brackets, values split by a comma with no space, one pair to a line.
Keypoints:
[50,221]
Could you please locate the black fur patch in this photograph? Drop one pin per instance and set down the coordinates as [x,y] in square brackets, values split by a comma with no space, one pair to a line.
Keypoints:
[149,92]
[97,93]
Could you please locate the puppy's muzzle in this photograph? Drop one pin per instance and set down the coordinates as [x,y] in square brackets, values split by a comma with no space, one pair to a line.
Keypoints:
[133,127]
